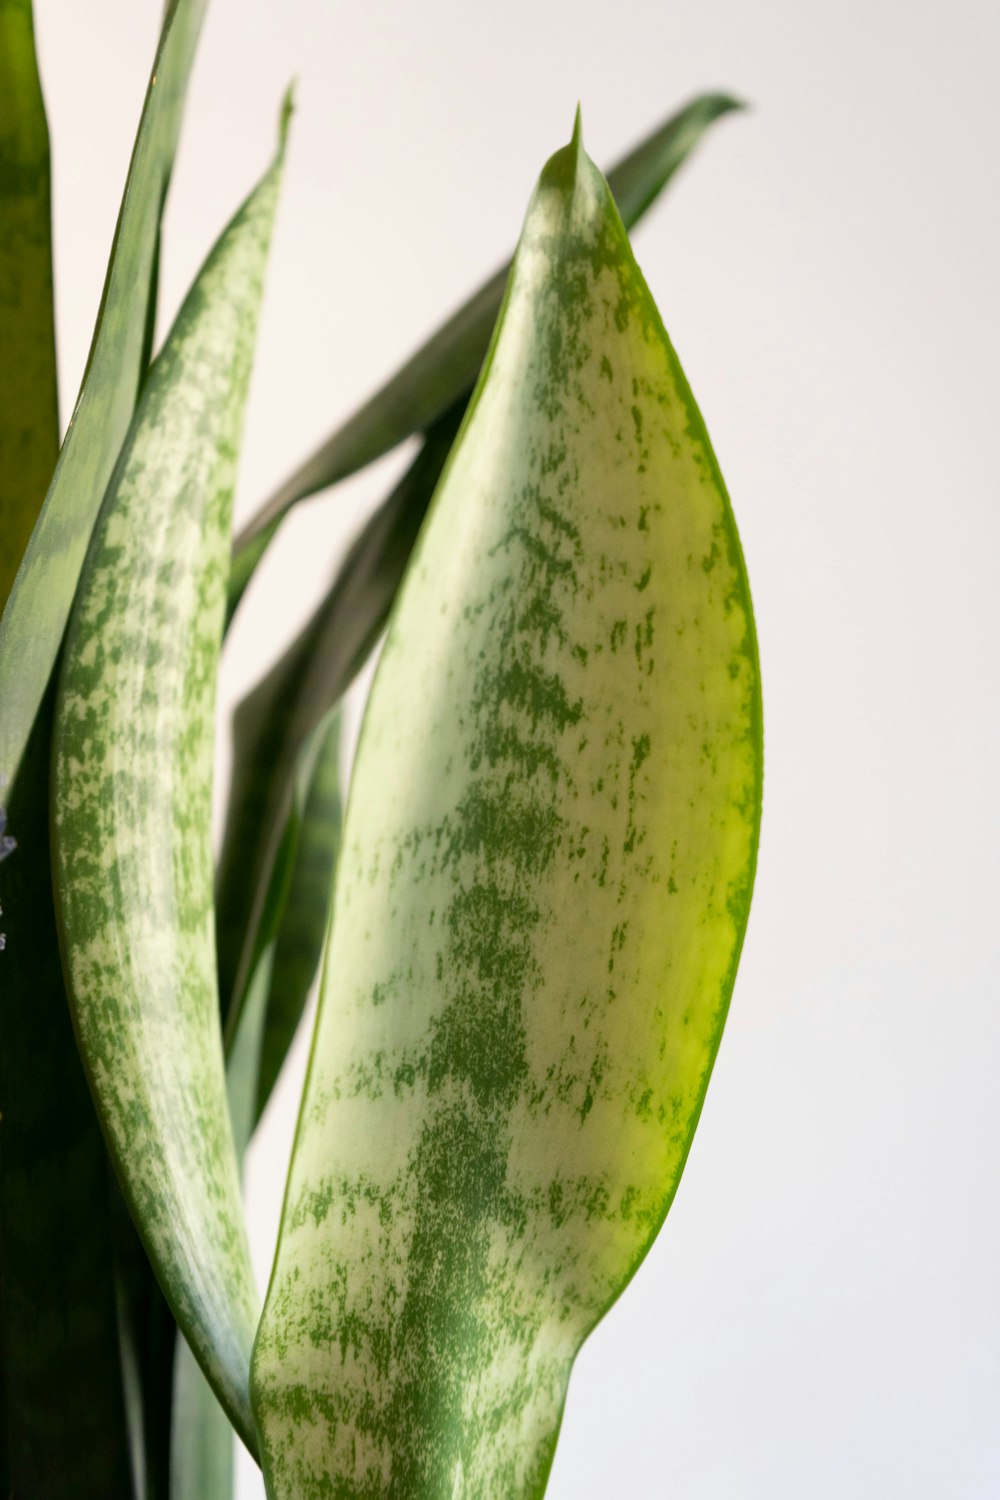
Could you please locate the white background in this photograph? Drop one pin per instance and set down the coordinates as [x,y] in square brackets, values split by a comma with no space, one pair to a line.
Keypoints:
[821,1315]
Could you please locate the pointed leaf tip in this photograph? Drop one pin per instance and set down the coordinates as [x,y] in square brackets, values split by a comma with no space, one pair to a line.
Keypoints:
[577,137]
[287,111]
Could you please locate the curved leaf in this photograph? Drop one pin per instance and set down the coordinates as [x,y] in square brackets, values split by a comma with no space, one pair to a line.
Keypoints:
[444,369]
[132,803]
[544,882]
[35,618]
[29,415]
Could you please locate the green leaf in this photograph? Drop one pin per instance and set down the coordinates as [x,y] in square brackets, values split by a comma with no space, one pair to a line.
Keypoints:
[290,937]
[294,927]
[132,789]
[63,1428]
[274,722]
[544,881]
[35,618]
[300,936]
[202,1463]
[444,369]
[29,414]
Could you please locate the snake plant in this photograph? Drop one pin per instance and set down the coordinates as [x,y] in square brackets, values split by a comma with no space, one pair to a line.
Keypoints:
[527,911]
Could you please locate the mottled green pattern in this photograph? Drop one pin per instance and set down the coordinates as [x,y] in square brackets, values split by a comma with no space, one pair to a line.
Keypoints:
[35,619]
[132,807]
[443,371]
[29,422]
[544,882]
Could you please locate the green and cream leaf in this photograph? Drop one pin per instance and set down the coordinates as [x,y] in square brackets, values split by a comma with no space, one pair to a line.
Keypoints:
[132,790]
[543,887]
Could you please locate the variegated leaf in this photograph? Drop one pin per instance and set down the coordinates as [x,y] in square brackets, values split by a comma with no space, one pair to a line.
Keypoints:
[132,804]
[544,882]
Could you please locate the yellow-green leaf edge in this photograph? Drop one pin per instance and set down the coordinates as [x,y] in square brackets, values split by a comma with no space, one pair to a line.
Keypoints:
[475,1178]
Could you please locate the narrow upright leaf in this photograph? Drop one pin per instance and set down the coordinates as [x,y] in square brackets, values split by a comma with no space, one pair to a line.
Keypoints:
[298,943]
[29,419]
[35,618]
[444,369]
[290,934]
[132,804]
[63,1428]
[543,887]
[274,722]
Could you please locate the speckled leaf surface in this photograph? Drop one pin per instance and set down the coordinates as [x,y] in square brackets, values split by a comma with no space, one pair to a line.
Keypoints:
[29,421]
[543,886]
[35,618]
[444,370]
[132,803]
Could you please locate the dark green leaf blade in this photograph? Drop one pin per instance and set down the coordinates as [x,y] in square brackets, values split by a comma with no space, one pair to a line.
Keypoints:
[35,618]
[290,934]
[64,1432]
[444,369]
[547,860]
[132,774]
[300,936]
[29,415]
[274,721]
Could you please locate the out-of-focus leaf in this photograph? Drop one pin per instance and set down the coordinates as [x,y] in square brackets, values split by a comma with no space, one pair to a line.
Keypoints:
[444,369]
[29,417]
[202,1450]
[291,932]
[132,782]
[35,618]
[63,1428]
[300,936]
[274,721]
[544,881]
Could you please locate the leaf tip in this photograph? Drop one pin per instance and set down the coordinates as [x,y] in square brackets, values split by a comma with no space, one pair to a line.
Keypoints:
[287,111]
[563,170]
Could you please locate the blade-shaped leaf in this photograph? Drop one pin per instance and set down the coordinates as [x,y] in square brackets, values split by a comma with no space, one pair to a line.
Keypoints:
[132,804]
[63,1429]
[29,418]
[273,723]
[445,368]
[301,933]
[35,618]
[291,932]
[541,897]
[202,1459]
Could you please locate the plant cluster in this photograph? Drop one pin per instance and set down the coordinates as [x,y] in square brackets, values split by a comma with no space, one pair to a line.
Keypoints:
[528,918]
